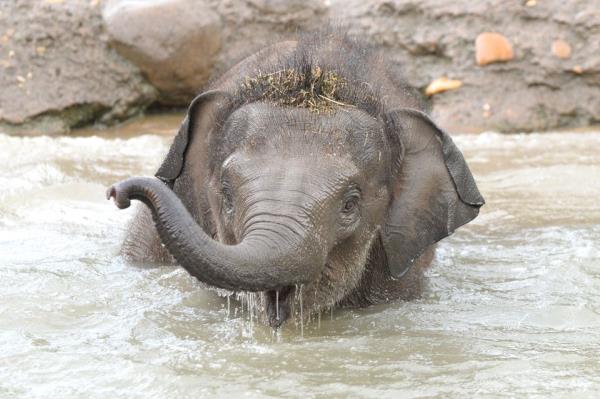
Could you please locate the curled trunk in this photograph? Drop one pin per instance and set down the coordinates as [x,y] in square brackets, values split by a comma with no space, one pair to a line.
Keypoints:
[251,265]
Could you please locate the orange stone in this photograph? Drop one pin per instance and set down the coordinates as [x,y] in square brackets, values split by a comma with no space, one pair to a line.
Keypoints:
[441,85]
[561,49]
[492,47]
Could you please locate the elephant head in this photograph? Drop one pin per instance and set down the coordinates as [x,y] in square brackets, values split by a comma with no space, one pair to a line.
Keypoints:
[277,197]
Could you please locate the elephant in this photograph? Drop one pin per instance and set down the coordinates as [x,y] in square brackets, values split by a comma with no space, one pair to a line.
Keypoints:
[309,171]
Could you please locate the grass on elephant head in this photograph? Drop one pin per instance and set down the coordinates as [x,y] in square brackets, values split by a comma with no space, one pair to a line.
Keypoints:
[315,90]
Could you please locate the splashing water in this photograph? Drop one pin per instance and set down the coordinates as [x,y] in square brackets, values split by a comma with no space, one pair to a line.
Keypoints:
[512,303]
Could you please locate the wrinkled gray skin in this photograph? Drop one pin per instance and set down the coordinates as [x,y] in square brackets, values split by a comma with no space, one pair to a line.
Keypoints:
[266,198]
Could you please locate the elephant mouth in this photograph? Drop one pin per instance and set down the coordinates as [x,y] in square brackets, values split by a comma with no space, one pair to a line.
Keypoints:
[278,305]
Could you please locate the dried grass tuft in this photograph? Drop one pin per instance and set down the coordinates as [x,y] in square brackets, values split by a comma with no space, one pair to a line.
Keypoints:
[317,91]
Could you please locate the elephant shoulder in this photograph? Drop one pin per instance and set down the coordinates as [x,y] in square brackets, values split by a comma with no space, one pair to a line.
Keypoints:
[377,285]
[142,243]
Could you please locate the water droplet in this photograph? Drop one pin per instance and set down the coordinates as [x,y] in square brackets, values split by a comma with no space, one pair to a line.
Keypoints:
[277,304]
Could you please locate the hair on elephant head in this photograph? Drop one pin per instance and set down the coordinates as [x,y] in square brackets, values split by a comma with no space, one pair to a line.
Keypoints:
[310,166]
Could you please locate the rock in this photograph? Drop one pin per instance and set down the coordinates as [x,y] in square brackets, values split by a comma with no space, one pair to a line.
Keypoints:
[57,72]
[487,110]
[442,84]
[174,42]
[162,37]
[561,49]
[492,47]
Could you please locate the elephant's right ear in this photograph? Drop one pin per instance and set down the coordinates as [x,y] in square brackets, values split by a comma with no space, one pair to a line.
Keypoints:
[434,192]
[199,121]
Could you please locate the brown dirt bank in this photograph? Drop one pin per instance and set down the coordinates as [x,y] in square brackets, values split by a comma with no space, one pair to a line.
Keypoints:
[71,63]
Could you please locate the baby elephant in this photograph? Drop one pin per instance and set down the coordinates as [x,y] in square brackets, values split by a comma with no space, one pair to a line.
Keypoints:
[308,173]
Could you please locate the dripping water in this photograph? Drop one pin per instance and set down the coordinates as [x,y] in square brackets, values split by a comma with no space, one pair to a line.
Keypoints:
[229,306]
[277,304]
[319,319]
[301,314]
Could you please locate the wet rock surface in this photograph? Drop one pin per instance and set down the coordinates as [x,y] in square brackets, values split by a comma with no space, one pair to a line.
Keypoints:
[173,42]
[57,70]
[166,50]
[534,91]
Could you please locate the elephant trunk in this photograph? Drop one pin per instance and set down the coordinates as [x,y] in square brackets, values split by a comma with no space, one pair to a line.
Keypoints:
[254,264]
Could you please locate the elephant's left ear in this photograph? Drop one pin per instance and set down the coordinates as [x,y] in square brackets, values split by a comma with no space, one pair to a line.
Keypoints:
[199,121]
[434,192]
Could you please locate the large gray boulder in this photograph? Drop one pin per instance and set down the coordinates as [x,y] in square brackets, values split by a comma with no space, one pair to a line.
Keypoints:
[180,43]
[174,42]
[57,70]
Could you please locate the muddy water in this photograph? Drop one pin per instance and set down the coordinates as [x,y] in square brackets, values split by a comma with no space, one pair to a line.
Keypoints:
[512,306]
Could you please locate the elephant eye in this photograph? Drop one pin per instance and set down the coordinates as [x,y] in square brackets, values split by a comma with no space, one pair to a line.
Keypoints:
[349,205]
[351,201]
[227,198]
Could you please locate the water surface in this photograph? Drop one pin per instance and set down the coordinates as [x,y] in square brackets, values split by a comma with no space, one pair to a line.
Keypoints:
[511,308]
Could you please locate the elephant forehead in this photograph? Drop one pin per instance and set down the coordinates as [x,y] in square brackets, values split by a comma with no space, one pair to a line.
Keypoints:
[275,169]
[263,124]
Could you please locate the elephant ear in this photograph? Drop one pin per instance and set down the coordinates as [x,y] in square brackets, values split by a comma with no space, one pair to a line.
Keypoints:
[199,122]
[433,193]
